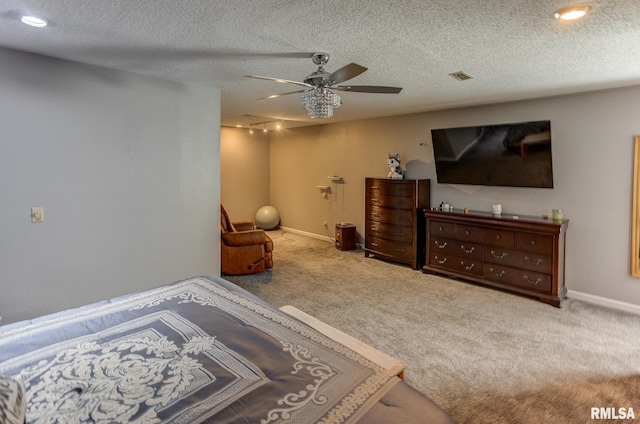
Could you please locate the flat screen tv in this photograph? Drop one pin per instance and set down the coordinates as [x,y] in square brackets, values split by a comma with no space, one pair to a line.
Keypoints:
[516,155]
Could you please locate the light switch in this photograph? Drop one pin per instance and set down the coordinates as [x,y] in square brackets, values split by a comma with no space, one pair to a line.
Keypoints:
[37,214]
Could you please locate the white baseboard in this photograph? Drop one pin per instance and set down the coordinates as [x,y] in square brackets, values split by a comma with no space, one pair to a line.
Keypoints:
[603,301]
[304,233]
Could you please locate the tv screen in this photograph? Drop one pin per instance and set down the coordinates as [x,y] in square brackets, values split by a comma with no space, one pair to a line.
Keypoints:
[517,155]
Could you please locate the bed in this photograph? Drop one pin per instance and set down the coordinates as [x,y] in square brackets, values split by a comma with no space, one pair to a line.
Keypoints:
[198,350]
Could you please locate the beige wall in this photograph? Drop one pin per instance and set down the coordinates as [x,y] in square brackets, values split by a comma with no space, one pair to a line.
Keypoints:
[303,158]
[244,172]
[592,161]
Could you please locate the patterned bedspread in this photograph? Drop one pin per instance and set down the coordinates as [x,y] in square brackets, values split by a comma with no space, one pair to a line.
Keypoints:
[188,352]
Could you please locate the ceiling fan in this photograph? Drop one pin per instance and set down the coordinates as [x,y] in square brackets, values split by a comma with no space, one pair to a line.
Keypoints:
[319,99]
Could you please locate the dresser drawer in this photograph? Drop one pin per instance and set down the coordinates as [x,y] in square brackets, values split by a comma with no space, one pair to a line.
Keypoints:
[401,217]
[396,249]
[468,233]
[496,237]
[392,202]
[529,280]
[389,188]
[534,242]
[464,249]
[439,228]
[455,263]
[519,258]
[389,232]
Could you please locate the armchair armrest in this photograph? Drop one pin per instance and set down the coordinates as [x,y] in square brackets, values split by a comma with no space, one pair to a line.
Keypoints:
[244,225]
[245,238]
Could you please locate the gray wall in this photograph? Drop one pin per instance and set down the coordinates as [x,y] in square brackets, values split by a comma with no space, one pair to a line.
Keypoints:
[592,160]
[126,168]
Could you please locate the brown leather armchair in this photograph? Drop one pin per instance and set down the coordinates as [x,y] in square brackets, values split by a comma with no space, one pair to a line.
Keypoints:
[244,249]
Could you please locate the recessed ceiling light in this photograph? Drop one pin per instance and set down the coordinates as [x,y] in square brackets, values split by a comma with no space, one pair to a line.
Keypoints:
[571,13]
[34,21]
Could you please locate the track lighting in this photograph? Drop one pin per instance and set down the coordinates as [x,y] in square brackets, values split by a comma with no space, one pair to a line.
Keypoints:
[264,125]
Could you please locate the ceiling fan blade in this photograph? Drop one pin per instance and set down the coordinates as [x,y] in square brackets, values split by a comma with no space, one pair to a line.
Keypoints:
[273,96]
[368,89]
[292,55]
[347,72]
[304,84]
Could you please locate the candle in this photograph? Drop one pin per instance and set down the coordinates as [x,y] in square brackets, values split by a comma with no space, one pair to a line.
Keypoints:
[558,215]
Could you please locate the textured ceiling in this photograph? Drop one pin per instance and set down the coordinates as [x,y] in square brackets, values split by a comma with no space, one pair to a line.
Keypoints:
[514,49]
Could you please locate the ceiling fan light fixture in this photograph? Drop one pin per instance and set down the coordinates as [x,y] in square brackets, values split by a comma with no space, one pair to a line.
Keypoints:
[320,103]
[573,12]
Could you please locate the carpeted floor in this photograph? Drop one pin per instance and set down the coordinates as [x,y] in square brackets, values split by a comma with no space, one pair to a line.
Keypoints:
[484,355]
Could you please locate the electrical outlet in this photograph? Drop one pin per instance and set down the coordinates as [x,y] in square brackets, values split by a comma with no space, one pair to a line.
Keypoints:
[324,224]
[37,214]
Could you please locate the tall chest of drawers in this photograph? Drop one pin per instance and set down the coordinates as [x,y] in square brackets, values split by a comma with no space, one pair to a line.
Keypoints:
[520,255]
[394,219]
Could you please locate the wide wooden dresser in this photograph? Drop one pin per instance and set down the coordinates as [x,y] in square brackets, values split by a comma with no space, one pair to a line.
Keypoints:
[394,219]
[519,254]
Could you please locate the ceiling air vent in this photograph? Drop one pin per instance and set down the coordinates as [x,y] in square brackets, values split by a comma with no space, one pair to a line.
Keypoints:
[460,76]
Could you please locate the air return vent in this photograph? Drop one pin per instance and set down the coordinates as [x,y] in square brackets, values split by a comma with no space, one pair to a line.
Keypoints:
[460,76]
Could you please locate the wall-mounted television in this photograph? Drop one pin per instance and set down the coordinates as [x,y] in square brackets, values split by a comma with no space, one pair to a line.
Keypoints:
[516,155]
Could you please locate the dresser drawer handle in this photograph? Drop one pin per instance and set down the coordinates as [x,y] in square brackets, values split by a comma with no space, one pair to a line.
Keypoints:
[504,255]
[375,214]
[468,268]
[534,283]
[401,250]
[496,274]
[467,232]
[473,248]
[440,246]
[440,229]
[440,261]
[536,263]
[533,242]
[498,237]
[375,200]
[374,244]
[375,188]
[401,234]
